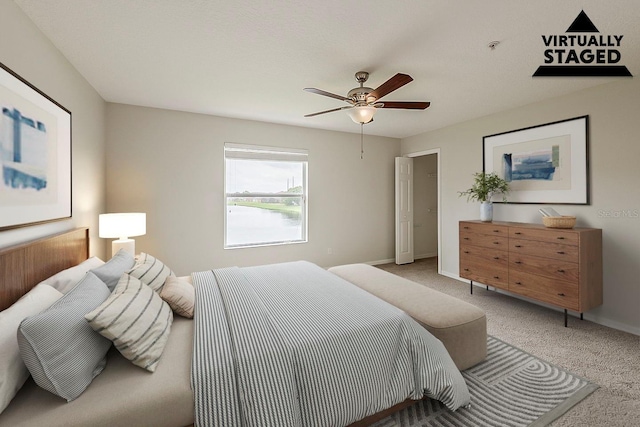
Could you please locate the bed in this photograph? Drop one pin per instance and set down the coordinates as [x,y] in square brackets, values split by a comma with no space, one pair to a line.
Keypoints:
[171,396]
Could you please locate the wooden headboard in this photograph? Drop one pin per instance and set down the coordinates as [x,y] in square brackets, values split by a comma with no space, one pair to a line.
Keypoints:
[25,265]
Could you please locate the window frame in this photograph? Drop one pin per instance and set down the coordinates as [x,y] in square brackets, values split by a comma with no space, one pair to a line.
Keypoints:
[267,153]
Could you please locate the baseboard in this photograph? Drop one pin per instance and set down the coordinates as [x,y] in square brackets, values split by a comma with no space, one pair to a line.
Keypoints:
[590,317]
[382,261]
[387,261]
[427,255]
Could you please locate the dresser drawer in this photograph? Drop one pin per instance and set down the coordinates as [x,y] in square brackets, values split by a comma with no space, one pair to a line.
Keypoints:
[485,228]
[497,256]
[483,240]
[544,235]
[556,251]
[552,268]
[488,275]
[563,294]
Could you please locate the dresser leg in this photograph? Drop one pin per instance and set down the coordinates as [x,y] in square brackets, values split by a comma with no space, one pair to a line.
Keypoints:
[581,318]
[471,287]
[565,317]
[487,287]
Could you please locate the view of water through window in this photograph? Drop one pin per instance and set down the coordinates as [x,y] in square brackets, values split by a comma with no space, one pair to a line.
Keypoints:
[254,225]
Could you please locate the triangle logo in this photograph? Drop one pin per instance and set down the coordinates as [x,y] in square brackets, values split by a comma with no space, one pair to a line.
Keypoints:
[582,24]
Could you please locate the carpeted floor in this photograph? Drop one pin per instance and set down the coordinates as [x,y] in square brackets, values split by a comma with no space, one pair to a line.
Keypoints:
[605,356]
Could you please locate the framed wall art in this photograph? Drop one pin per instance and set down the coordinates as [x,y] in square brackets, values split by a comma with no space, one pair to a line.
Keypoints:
[546,164]
[35,154]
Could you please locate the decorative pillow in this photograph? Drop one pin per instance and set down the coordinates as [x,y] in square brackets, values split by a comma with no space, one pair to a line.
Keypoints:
[151,271]
[136,319]
[13,373]
[111,271]
[180,295]
[59,348]
[67,279]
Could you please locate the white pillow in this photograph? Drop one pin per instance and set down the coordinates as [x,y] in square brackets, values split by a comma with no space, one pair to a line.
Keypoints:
[67,279]
[13,372]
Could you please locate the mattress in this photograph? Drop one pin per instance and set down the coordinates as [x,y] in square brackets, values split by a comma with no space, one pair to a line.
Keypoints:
[123,394]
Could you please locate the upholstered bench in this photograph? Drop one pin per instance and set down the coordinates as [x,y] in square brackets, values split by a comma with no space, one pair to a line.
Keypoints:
[460,326]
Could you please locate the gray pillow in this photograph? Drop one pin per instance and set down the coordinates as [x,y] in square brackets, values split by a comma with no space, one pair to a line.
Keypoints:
[111,271]
[60,349]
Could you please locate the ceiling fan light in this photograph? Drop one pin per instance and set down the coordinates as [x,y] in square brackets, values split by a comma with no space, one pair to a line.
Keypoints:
[362,115]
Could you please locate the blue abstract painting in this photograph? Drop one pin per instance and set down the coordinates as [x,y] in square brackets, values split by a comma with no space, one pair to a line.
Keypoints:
[23,150]
[534,165]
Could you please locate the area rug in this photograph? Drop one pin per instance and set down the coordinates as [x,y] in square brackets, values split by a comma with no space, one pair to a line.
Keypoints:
[510,388]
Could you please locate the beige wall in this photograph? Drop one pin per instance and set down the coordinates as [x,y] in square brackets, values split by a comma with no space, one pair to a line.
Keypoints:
[425,206]
[25,50]
[614,112]
[170,165]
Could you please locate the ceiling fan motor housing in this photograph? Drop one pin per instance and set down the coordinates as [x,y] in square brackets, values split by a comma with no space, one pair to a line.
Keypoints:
[359,94]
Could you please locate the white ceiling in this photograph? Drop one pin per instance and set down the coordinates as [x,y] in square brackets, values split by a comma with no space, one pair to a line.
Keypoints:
[251,59]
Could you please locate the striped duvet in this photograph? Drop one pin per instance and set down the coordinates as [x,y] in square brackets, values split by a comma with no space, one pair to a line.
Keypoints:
[294,345]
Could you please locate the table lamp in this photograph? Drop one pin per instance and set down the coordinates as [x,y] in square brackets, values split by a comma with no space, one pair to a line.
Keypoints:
[123,226]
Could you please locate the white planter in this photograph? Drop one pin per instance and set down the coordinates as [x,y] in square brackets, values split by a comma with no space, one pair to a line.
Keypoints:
[486,211]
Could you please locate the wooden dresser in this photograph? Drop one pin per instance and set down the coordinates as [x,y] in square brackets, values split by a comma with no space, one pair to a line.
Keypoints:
[562,267]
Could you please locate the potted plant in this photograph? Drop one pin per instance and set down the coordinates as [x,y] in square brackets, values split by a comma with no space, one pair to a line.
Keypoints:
[485,185]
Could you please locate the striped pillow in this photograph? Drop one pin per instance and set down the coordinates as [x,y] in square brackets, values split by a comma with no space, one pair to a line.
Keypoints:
[136,319]
[151,271]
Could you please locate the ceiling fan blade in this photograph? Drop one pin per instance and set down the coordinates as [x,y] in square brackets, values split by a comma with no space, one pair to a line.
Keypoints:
[390,85]
[325,93]
[405,105]
[328,111]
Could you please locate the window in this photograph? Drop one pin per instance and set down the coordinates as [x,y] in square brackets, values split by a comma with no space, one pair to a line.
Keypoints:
[266,195]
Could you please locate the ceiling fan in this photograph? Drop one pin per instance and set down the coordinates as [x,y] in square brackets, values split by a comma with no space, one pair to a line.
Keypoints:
[364,100]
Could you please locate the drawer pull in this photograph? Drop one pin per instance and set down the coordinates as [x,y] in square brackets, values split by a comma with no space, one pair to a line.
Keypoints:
[560,270]
[560,238]
[496,277]
[561,252]
[518,246]
[496,243]
[466,269]
[518,262]
[466,252]
[496,257]
[466,228]
[517,232]
[561,294]
[465,238]
[518,283]
[496,231]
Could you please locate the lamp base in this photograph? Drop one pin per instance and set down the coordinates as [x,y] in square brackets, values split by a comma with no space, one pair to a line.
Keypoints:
[129,245]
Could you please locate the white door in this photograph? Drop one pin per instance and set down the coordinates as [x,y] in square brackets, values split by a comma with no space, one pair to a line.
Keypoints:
[404,210]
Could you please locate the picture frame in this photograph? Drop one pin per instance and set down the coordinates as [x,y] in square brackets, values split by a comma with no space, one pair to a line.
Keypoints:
[544,164]
[35,154]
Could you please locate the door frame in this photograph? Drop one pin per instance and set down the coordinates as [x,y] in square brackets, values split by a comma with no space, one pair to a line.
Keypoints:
[439,184]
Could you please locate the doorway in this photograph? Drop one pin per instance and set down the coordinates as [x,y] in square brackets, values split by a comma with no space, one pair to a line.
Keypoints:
[426,205]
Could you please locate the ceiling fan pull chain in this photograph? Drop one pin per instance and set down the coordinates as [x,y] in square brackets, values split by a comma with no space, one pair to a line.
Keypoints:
[361,141]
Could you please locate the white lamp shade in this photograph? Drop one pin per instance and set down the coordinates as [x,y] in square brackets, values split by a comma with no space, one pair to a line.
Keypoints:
[122,225]
[363,114]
